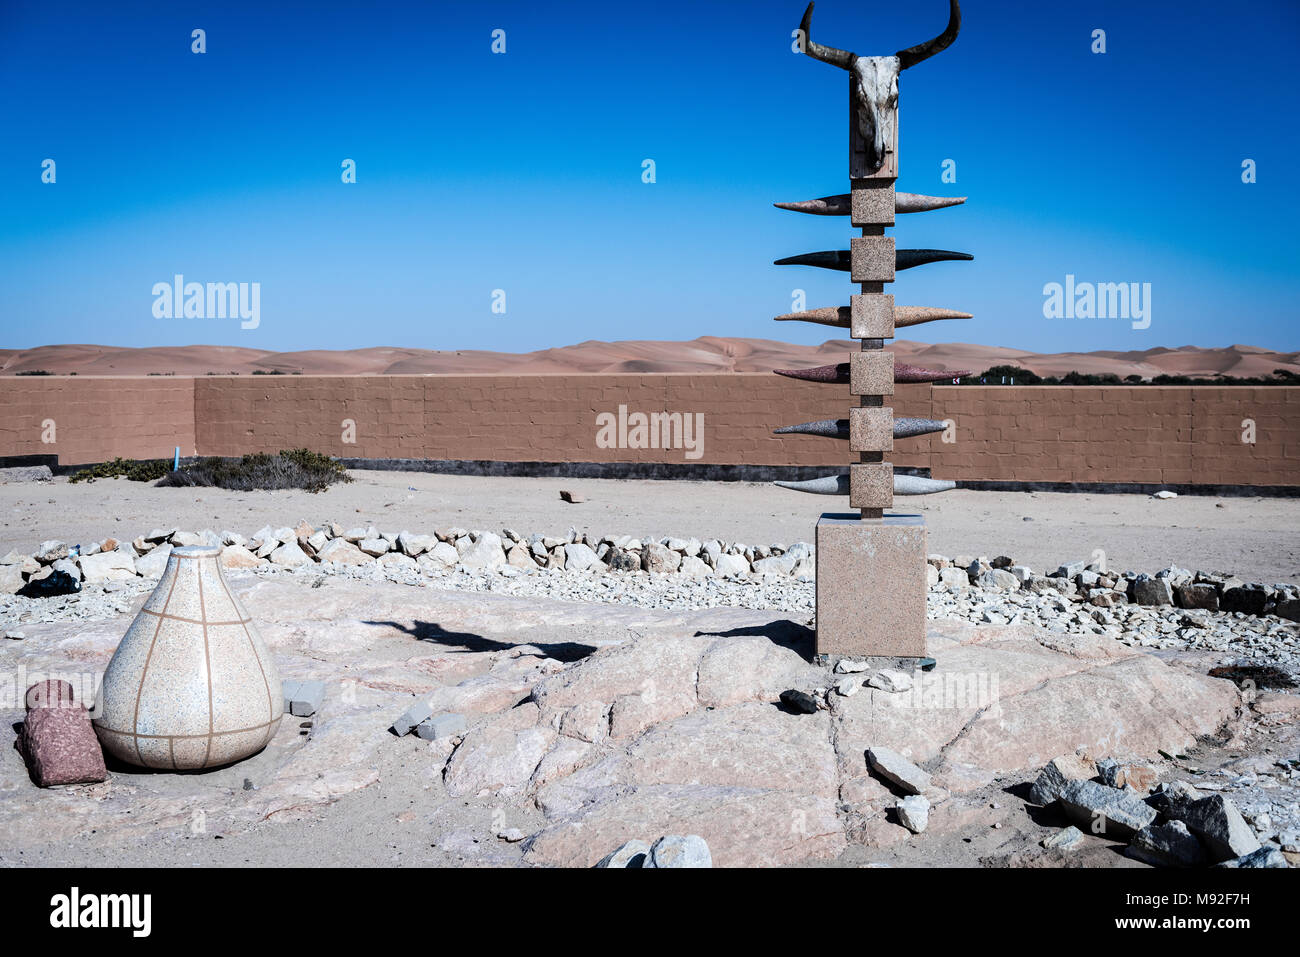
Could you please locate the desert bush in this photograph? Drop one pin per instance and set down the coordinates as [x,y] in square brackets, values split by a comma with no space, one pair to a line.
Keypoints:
[290,468]
[148,470]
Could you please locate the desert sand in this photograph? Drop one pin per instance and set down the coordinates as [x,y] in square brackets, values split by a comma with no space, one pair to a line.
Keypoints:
[706,354]
[1251,537]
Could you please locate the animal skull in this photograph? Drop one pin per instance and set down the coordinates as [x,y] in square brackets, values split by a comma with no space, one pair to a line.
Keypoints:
[875,85]
[875,80]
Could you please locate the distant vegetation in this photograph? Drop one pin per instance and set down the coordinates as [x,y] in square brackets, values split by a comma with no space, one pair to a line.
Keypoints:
[290,468]
[34,372]
[1014,375]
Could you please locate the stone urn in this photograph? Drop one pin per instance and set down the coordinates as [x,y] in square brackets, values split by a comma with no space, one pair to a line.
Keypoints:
[191,684]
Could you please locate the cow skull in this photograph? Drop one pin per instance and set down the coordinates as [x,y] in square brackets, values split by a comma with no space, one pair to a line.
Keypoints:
[875,80]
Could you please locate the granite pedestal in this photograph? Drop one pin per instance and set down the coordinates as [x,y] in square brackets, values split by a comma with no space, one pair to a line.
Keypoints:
[871,587]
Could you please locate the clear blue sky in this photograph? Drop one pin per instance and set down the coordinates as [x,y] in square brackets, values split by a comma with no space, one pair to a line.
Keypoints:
[478,171]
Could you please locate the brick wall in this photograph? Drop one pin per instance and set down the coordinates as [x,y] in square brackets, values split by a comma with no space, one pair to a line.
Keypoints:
[96,419]
[1148,434]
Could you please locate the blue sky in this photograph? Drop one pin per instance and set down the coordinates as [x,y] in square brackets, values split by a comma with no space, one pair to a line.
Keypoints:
[523,171]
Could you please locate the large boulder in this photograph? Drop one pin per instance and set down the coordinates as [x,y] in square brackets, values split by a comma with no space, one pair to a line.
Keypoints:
[107,566]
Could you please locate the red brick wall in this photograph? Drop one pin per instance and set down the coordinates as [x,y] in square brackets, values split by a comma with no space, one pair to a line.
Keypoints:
[1157,435]
[96,419]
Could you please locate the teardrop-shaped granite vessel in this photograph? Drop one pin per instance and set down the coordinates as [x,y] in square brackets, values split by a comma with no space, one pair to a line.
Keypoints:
[191,684]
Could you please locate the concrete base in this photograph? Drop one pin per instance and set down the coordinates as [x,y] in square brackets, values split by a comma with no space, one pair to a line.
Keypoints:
[871,586]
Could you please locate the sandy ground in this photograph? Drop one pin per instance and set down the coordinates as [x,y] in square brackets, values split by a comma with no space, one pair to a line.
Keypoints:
[1255,538]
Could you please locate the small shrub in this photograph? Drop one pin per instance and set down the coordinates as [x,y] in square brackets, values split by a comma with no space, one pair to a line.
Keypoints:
[149,470]
[290,468]
[34,372]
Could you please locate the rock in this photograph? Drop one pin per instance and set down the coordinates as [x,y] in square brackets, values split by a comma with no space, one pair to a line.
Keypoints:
[693,567]
[998,580]
[1152,591]
[11,579]
[289,555]
[1070,569]
[780,566]
[497,760]
[302,699]
[444,554]
[847,666]
[25,473]
[1268,856]
[890,680]
[415,545]
[411,717]
[674,851]
[891,766]
[1059,772]
[186,539]
[106,566]
[233,556]
[622,560]
[799,701]
[487,552]
[342,552]
[1197,595]
[573,498]
[371,546]
[1167,845]
[57,740]
[314,542]
[232,538]
[631,854]
[1220,826]
[1041,584]
[1136,777]
[441,726]
[1106,811]
[47,553]
[847,687]
[586,722]
[1164,494]
[659,559]
[730,566]
[931,576]
[1173,798]
[913,813]
[519,557]
[511,835]
[1247,599]
[579,557]
[1066,839]
[152,564]
[954,577]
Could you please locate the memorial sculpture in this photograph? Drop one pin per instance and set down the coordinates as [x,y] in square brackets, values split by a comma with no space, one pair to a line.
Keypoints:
[191,685]
[871,581]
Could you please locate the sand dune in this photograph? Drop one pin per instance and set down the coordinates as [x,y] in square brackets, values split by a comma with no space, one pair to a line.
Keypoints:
[706,354]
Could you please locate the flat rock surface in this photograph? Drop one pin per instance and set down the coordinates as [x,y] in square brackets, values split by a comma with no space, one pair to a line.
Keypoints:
[589,726]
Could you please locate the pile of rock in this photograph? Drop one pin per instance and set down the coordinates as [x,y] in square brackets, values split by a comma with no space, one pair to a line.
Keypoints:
[1093,584]
[57,568]
[1169,825]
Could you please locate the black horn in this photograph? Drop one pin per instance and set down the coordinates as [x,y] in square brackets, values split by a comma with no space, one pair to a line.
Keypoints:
[840,58]
[923,51]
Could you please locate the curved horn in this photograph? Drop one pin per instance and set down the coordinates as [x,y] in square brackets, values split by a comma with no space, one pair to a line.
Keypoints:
[840,58]
[923,51]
